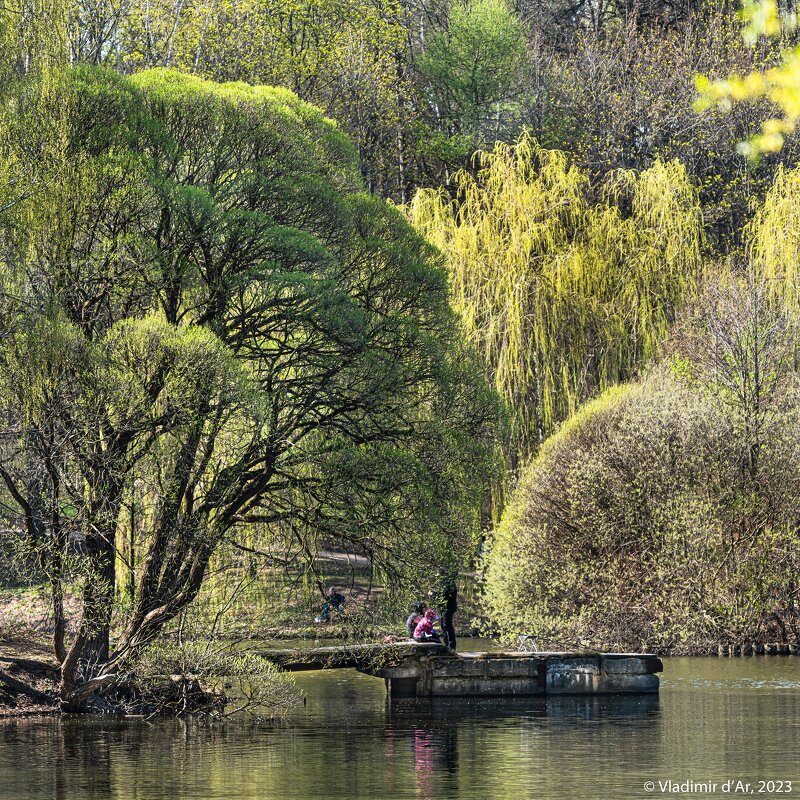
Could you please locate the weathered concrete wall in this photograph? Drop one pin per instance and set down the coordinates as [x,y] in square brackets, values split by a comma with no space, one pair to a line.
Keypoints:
[503,674]
[486,676]
[361,656]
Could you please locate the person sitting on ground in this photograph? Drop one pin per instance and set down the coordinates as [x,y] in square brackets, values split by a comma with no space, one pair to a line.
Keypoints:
[424,631]
[417,613]
[334,602]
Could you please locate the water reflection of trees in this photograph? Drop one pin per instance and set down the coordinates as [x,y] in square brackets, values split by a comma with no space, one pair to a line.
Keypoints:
[348,746]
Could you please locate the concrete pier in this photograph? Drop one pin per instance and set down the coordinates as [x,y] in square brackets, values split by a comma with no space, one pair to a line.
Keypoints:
[432,670]
[503,674]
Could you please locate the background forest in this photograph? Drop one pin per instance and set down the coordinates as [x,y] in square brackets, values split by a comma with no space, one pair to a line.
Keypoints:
[288,286]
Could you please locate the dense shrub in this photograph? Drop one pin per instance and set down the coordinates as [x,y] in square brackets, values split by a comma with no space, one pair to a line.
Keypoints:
[641,525]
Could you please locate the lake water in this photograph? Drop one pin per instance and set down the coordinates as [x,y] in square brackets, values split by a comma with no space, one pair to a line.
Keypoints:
[715,720]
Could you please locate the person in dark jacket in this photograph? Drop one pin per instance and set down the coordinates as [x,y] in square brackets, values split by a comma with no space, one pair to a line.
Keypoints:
[334,602]
[450,607]
[417,612]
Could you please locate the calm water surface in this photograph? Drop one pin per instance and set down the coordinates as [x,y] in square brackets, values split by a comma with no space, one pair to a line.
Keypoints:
[716,719]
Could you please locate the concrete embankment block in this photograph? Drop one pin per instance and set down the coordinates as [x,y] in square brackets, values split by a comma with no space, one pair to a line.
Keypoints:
[463,677]
[432,670]
[573,676]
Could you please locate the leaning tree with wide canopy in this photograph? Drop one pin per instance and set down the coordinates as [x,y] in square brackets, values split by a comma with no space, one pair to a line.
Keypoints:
[204,318]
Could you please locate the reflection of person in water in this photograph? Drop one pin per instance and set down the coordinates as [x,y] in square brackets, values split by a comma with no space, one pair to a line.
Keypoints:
[424,761]
[435,757]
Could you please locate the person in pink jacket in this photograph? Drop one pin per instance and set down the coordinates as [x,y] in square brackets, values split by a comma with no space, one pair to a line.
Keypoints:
[424,631]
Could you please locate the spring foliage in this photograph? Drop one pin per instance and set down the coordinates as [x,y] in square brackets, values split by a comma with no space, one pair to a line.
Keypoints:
[662,514]
[208,326]
[779,84]
[475,70]
[564,295]
[637,527]
[774,236]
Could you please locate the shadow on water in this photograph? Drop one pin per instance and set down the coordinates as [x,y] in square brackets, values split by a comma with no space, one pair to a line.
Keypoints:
[456,711]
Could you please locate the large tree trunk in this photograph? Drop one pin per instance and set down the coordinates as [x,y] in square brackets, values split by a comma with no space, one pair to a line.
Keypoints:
[56,584]
[59,623]
[82,668]
[170,582]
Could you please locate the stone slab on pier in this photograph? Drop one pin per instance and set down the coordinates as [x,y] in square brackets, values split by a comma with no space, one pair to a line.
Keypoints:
[351,655]
[432,670]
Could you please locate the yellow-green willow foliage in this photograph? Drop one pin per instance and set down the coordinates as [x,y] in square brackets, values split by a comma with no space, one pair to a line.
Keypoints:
[32,105]
[563,295]
[774,236]
[32,37]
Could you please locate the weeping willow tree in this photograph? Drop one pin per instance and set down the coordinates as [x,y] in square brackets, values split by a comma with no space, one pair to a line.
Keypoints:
[34,184]
[774,239]
[33,51]
[563,294]
[32,36]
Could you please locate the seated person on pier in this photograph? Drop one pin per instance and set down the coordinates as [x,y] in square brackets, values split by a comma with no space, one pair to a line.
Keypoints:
[334,602]
[417,613]
[424,631]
